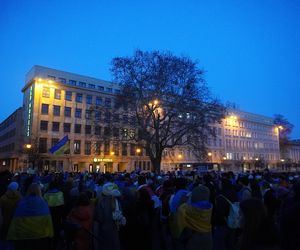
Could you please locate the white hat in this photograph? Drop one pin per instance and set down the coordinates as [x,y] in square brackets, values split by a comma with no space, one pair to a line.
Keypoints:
[111,189]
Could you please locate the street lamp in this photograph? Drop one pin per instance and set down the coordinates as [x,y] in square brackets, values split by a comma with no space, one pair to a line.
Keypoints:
[138,152]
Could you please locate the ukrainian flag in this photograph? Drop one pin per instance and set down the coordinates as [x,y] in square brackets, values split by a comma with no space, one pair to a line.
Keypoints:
[32,220]
[61,146]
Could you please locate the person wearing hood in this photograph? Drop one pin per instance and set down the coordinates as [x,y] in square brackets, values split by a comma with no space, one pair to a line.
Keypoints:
[8,203]
[108,218]
[193,221]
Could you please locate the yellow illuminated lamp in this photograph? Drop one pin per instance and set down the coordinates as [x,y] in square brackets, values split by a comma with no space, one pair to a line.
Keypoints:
[155,102]
[95,159]
[50,81]
[180,156]
[256,159]
[224,158]
[40,79]
[282,160]
[112,153]
[280,127]
[209,154]
[138,150]
[28,146]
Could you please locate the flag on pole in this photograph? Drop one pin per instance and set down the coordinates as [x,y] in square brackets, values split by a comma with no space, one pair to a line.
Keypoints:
[61,146]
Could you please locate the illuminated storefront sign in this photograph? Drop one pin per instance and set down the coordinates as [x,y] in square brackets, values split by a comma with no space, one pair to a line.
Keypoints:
[29,114]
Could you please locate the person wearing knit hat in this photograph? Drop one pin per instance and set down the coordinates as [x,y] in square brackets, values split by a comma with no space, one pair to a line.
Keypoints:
[8,204]
[193,220]
[13,186]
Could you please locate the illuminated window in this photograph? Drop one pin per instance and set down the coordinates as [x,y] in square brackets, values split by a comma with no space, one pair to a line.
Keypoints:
[46,92]
[45,109]
[77,147]
[57,94]
[88,114]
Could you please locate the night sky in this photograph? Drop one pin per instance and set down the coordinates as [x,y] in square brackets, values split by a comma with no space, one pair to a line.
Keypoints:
[250,50]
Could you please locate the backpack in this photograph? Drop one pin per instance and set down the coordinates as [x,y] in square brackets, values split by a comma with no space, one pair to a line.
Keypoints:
[234,217]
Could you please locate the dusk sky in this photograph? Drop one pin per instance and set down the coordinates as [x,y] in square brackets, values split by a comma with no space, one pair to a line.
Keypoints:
[250,49]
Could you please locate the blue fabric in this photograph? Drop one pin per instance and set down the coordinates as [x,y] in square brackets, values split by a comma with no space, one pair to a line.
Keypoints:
[27,207]
[201,204]
[176,199]
[59,144]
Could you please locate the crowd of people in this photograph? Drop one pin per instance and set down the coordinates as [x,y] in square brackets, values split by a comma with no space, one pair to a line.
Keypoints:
[170,211]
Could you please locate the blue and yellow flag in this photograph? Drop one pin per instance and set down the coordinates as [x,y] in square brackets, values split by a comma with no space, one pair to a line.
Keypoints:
[61,146]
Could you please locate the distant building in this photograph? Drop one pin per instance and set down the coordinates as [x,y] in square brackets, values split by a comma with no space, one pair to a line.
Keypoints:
[291,153]
[58,103]
[11,142]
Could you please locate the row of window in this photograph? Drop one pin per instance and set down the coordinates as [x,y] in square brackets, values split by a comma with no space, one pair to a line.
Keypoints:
[8,135]
[77,129]
[8,122]
[249,144]
[251,156]
[7,148]
[89,99]
[89,114]
[245,124]
[94,147]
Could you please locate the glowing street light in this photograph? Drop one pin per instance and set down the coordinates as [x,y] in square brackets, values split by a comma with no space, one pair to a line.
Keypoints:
[209,154]
[112,153]
[28,146]
[138,150]
[282,160]
[180,156]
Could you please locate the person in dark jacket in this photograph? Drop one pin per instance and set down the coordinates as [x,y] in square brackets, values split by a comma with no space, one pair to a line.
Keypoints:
[224,237]
[290,221]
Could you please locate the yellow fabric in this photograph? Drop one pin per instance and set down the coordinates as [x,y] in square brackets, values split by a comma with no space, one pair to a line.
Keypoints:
[36,227]
[196,219]
[54,199]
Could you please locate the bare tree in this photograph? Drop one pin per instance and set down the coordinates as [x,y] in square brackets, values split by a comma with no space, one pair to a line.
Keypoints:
[168,100]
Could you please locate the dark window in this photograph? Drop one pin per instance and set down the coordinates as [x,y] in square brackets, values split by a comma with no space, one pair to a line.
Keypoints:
[116,149]
[54,141]
[101,88]
[78,113]
[78,97]
[106,147]
[57,94]
[72,82]
[67,151]
[98,100]
[125,119]
[97,130]
[76,147]
[97,148]
[107,131]
[87,148]
[132,149]
[43,145]
[67,127]
[116,118]
[98,115]
[62,80]
[88,114]
[89,99]
[82,84]
[107,102]
[56,110]
[109,90]
[55,126]
[116,132]
[88,129]
[68,95]
[124,149]
[44,125]
[67,112]
[46,92]
[107,116]
[45,109]
[51,77]
[77,128]
[92,86]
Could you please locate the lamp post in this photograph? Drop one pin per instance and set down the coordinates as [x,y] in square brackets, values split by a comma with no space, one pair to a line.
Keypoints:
[27,150]
[138,153]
